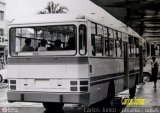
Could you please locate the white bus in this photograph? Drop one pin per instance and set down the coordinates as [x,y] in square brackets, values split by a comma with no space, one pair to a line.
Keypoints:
[58,59]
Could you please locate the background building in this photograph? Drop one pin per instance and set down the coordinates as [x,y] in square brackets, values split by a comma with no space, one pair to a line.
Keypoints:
[3,24]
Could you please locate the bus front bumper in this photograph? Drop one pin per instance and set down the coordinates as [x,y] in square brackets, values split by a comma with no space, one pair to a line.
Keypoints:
[77,98]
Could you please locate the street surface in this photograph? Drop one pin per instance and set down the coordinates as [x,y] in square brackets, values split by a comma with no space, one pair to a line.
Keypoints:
[147,92]
[26,107]
[151,98]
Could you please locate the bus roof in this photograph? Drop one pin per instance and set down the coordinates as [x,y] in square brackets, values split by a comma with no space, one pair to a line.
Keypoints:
[60,18]
[45,18]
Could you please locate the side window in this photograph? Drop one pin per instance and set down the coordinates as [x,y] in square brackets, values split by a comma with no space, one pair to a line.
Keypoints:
[93,44]
[124,39]
[137,47]
[82,39]
[96,39]
[105,32]
[107,46]
[115,42]
[106,41]
[110,33]
[97,45]
[131,46]
[134,50]
[115,34]
[111,42]
[111,47]
[99,30]
[119,45]
[93,28]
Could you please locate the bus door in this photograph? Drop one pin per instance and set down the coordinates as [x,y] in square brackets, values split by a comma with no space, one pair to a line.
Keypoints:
[126,65]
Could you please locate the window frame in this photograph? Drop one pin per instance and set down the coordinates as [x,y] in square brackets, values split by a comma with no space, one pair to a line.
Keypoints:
[85,40]
[111,38]
[99,35]
[131,41]
[107,40]
[120,42]
[29,26]
[136,41]
[102,30]
[94,43]
[95,25]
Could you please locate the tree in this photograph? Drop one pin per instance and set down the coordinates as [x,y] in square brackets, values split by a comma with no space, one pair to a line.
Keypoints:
[54,8]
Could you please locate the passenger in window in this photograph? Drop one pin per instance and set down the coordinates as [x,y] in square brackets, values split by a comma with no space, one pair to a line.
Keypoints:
[51,48]
[43,45]
[27,46]
[57,44]
[71,44]
[39,44]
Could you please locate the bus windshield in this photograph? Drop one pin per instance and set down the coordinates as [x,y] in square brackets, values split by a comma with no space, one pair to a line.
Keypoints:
[43,40]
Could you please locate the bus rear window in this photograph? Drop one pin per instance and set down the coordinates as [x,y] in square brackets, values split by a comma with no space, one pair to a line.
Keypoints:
[43,40]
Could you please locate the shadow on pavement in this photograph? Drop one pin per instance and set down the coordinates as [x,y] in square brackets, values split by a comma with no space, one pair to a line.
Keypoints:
[54,111]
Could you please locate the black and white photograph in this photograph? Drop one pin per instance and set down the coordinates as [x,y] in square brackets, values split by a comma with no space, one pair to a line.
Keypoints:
[79,56]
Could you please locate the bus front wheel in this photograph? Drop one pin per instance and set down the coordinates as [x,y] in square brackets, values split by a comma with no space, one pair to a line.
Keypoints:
[53,106]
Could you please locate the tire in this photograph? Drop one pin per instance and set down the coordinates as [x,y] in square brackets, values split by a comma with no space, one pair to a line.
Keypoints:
[132,91]
[1,78]
[146,77]
[111,95]
[53,106]
[109,101]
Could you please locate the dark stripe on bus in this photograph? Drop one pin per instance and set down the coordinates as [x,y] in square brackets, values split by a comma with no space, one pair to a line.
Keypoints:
[47,60]
[104,78]
[100,81]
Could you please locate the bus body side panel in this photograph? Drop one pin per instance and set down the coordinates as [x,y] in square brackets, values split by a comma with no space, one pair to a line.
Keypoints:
[134,71]
[103,70]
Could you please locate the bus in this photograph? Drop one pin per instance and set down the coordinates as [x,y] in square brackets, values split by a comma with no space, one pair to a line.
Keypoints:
[60,58]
